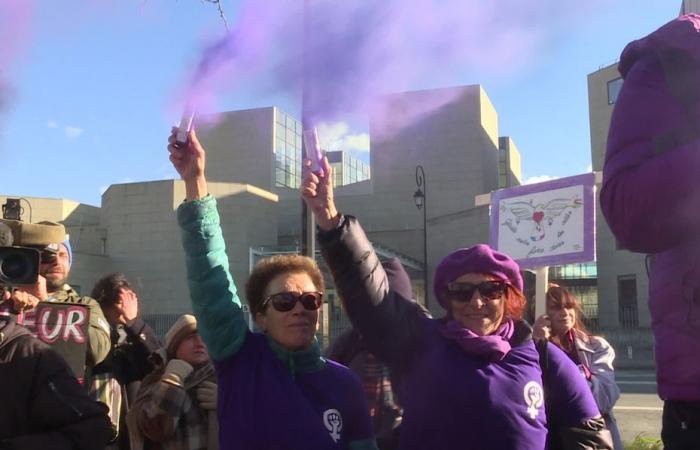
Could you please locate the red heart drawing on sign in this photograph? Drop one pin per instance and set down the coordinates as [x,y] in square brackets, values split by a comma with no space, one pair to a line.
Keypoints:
[538,216]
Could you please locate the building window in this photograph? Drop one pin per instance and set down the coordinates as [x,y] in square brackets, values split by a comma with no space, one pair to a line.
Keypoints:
[627,301]
[614,87]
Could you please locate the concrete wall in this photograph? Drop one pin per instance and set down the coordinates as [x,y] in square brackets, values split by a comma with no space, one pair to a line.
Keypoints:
[239,147]
[612,262]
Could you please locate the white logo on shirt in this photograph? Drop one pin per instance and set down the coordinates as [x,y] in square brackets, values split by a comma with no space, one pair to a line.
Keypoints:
[534,396]
[333,422]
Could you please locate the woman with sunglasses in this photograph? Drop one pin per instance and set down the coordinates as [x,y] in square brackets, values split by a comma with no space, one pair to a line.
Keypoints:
[563,326]
[275,389]
[472,380]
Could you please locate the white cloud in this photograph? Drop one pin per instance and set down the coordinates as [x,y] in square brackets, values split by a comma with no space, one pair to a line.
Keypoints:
[539,179]
[337,136]
[73,132]
[51,124]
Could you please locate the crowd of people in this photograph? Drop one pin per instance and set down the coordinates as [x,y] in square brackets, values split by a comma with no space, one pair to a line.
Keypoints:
[479,377]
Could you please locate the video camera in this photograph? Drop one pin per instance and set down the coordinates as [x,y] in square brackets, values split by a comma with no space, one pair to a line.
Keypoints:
[23,246]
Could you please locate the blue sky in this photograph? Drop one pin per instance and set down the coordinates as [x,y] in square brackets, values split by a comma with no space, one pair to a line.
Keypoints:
[94,90]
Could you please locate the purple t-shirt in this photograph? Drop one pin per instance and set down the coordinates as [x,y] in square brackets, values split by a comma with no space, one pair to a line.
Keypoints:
[266,403]
[468,402]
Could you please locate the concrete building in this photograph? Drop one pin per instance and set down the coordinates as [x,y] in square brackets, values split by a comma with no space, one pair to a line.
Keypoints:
[623,283]
[509,167]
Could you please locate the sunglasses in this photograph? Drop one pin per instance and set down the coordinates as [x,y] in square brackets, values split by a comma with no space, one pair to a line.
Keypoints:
[286,301]
[464,292]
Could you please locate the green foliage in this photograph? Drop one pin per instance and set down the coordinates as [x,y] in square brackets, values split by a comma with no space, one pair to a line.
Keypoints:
[644,443]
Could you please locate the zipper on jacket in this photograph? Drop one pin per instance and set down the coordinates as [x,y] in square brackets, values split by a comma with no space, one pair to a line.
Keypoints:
[63,400]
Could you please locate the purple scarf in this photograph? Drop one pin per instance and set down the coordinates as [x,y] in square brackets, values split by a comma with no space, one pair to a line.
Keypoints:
[493,347]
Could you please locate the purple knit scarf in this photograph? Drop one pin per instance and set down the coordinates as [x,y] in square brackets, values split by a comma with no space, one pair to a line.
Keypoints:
[493,347]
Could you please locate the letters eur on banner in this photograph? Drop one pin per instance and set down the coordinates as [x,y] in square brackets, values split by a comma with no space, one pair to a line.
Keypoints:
[63,326]
[546,224]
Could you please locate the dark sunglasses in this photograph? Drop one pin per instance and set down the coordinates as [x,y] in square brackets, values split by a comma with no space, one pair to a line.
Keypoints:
[285,301]
[464,292]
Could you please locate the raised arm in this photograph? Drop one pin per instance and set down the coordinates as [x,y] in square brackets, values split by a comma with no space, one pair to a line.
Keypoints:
[390,324]
[213,294]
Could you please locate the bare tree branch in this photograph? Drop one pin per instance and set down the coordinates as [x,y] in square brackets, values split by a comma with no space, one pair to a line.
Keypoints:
[221,11]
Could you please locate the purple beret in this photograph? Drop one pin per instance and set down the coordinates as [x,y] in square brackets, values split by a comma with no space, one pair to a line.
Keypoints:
[478,259]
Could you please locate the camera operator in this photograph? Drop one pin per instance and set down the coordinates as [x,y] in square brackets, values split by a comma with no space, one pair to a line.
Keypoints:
[52,286]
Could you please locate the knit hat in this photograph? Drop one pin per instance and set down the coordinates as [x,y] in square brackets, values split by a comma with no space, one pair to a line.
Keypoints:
[477,259]
[66,244]
[183,327]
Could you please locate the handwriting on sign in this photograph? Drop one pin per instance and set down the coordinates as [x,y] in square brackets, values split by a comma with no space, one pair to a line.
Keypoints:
[535,251]
[523,241]
[509,224]
[556,246]
[560,234]
[566,218]
[65,324]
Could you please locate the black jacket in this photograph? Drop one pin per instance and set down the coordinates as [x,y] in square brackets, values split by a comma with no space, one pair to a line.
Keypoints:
[130,357]
[42,406]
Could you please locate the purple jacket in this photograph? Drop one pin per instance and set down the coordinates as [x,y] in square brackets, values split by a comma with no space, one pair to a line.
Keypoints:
[651,189]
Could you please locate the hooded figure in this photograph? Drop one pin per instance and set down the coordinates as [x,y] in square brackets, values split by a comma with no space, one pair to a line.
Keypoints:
[651,200]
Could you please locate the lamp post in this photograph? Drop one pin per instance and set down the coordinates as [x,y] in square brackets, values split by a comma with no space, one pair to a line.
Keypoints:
[420,197]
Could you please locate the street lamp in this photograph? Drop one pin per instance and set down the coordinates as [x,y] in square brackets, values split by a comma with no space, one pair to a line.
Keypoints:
[420,197]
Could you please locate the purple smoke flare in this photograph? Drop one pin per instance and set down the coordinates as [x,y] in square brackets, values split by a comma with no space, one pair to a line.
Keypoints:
[353,52]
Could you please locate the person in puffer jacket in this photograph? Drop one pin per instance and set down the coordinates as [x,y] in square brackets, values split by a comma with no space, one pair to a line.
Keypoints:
[42,406]
[651,200]
[474,379]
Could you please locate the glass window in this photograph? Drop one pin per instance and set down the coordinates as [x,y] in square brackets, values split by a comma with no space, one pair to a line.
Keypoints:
[279,145]
[279,131]
[627,301]
[290,123]
[281,117]
[614,87]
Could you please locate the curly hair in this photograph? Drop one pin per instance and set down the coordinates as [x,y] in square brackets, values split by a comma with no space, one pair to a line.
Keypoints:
[268,268]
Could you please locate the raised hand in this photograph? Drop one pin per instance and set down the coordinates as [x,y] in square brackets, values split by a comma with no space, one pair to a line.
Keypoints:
[317,191]
[189,161]
[127,305]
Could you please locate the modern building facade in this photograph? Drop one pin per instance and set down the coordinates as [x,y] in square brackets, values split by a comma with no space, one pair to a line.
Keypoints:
[623,282]
[346,168]
[509,167]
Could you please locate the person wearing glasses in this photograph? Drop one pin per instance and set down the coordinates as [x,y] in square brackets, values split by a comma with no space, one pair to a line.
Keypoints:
[473,379]
[275,389]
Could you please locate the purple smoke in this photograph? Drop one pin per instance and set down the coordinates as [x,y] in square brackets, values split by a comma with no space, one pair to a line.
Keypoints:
[353,52]
[14,24]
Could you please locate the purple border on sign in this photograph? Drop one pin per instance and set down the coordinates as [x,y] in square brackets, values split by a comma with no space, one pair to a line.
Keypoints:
[586,180]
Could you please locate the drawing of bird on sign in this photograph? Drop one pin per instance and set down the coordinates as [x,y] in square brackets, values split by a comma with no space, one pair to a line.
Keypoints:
[541,215]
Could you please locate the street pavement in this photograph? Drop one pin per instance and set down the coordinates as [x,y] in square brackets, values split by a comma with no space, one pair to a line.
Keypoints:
[638,411]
